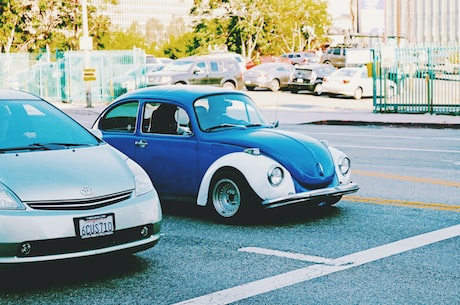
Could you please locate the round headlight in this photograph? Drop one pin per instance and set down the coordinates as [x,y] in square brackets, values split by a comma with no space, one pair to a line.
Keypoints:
[344,165]
[275,176]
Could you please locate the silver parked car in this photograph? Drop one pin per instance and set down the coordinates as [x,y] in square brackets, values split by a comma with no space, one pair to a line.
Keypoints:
[271,75]
[65,193]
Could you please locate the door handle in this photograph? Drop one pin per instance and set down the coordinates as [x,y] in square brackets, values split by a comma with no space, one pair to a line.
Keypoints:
[141,143]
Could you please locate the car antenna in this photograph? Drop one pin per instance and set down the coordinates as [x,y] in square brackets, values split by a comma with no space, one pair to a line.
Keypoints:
[276,123]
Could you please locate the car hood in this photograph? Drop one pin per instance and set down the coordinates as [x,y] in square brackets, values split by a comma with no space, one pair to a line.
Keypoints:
[306,158]
[63,174]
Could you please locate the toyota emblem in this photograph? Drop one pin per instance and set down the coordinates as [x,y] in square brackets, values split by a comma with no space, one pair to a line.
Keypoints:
[86,191]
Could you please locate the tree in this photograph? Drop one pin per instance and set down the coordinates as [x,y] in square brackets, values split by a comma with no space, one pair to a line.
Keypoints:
[11,20]
[125,39]
[266,26]
[34,25]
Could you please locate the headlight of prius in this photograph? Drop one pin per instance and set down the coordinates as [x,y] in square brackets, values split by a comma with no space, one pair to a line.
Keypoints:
[8,200]
[142,180]
[344,165]
[275,176]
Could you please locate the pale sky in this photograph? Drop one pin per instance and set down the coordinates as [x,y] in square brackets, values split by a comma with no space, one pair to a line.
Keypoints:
[339,7]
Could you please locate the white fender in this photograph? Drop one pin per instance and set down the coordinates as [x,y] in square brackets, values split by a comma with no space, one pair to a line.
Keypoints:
[255,169]
[337,156]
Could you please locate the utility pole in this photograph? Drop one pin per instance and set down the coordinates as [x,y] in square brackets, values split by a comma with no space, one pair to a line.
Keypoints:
[86,44]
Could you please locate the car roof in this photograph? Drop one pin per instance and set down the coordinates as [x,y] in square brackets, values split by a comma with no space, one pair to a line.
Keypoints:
[182,94]
[312,66]
[9,94]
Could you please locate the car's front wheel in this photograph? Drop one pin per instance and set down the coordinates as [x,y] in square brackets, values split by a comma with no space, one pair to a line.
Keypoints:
[358,94]
[231,197]
[229,85]
[274,85]
[318,90]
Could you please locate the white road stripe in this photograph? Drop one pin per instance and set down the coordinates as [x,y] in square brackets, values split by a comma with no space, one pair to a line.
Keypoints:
[296,256]
[251,289]
[398,148]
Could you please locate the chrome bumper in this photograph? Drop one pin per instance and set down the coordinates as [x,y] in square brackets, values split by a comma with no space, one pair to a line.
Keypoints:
[316,197]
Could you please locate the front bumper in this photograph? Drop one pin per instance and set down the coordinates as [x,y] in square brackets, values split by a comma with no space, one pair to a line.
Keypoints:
[128,240]
[315,197]
[50,235]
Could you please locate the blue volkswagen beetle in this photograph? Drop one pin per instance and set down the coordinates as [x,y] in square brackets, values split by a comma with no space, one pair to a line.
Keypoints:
[212,147]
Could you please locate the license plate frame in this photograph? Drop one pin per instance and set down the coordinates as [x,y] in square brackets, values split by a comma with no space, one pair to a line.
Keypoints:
[95,225]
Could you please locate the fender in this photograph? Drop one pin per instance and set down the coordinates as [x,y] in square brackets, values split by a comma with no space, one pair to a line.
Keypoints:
[338,156]
[255,168]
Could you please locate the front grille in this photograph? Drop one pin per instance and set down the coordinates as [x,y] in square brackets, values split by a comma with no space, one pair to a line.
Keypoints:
[80,204]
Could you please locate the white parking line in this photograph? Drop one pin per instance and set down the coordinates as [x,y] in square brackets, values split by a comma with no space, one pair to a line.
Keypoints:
[296,256]
[251,289]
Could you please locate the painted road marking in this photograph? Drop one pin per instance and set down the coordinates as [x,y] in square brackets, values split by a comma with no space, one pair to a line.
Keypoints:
[400,148]
[406,178]
[254,288]
[296,256]
[404,203]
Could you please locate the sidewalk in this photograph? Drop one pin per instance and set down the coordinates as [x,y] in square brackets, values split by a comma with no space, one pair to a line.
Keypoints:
[327,111]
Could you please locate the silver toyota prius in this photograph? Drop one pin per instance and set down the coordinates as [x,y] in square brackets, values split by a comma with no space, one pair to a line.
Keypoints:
[65,193]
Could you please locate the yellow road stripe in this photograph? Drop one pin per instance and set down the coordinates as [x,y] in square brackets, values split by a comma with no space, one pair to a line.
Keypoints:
[405,203]
[406,178]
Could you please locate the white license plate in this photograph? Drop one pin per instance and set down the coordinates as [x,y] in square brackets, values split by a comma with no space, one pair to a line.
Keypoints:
[95,226]
[300,80]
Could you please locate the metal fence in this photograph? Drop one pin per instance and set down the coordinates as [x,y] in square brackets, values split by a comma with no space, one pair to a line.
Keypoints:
[427,80]
[60,77]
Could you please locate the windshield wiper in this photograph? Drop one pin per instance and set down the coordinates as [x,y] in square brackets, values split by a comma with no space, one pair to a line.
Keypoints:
[41,146]
[224,125]
[254,125]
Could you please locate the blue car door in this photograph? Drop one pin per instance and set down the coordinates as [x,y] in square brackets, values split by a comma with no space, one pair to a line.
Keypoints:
[166,148]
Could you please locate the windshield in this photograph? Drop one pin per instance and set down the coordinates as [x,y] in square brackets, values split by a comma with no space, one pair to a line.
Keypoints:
[36,125]
[227,110]
[179,66]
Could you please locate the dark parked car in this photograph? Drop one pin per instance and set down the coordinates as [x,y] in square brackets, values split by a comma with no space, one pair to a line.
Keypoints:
[310,78]
[212,147]
[273,76]
[335,56]
[214,70]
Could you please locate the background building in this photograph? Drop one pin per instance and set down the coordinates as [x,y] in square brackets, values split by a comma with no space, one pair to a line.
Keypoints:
[424,21]
[140,11]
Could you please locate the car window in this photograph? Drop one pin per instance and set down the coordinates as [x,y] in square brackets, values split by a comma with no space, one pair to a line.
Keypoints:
[214,66]
[165,118]
[232,66]
[202,67]
[121,118]
[226,110]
